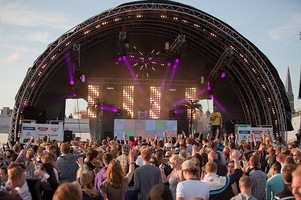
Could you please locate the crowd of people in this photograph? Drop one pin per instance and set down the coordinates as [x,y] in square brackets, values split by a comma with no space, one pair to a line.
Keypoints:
[215,168]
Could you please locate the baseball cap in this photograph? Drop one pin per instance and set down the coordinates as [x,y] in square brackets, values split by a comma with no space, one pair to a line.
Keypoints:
[168,145]
[188,164]
[177,151]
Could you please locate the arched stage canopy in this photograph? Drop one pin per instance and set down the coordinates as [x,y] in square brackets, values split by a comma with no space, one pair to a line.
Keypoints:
[251,92]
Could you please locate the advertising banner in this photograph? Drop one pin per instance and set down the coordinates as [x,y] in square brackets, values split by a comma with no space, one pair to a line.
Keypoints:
[55,131]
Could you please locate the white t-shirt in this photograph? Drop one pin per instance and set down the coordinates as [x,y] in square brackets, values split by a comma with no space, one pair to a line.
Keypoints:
[193,188]
[24,192]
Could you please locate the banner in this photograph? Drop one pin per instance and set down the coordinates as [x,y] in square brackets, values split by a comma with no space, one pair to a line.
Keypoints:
[39,130]
[246,132]
[243,131]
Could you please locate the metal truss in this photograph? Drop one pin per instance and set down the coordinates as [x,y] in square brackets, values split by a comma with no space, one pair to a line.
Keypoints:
[175,46]
[121,81]
[203,33]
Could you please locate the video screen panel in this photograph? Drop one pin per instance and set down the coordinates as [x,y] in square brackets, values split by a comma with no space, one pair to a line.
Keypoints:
[144,128]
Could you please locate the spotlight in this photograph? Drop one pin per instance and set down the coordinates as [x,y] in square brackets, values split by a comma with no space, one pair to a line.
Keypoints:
[211,96]
[74,95]
[177,60]
[119,59]
[114,110]
[223,74]
[117,63]
[72,82]
[208,86]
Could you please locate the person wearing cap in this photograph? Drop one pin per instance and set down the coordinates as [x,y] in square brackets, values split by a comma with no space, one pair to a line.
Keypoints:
[168,146]
[192,187]
[216,122]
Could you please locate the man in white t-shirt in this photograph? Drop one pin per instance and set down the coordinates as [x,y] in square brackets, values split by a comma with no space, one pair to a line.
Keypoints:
[191,187]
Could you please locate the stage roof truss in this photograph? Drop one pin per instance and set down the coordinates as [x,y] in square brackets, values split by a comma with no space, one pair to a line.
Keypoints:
[203,33]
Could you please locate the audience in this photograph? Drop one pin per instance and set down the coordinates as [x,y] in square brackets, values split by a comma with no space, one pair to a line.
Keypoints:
[167,170]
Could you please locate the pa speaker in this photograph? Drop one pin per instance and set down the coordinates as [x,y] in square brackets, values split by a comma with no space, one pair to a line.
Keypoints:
[67,136]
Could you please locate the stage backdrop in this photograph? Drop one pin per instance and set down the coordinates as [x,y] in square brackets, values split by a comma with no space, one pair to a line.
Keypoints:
[143,128]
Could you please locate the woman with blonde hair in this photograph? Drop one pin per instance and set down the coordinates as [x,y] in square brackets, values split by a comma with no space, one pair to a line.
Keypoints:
[88,191]
[116,185]
[175,163]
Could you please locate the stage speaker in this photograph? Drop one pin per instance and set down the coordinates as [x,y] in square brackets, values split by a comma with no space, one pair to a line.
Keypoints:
[67,136]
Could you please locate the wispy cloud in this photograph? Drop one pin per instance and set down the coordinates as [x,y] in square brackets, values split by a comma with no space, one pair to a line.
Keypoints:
[44,37]
[13,58]
[12,12]
[289,31]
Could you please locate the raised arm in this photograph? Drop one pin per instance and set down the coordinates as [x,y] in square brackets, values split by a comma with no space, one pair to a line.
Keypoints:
[129,175]
[124,138]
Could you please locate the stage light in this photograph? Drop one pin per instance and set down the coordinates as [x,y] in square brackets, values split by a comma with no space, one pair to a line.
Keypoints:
[72,82]
[74,95]
[114,110]
[117,63]
[119,59]
[208,86]
[211,96]
[223,74]
[168,64]
[177,60]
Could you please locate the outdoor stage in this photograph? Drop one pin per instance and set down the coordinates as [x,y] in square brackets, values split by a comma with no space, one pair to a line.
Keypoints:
[189,55]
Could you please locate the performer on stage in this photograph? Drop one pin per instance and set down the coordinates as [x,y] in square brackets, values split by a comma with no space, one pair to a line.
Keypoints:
[216,122]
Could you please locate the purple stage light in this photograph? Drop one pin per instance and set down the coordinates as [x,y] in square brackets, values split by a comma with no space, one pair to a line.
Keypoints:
[114,110]
[119,59]
[168,64]
[177,60]
[71,82]
[211,96]
[124,57]
[223,74]
[74,95]
[208,86]
[117,63]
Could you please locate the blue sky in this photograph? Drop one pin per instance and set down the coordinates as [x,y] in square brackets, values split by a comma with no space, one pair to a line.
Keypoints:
[27,27]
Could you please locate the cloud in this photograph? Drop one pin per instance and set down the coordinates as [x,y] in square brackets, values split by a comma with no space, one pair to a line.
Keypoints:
[12,12]
[13,58]
[289,31]
[44,37]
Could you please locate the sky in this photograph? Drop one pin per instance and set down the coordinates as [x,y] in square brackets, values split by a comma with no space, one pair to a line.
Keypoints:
[27,27]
